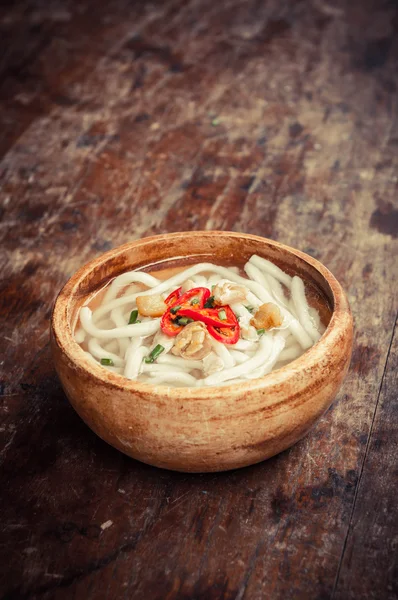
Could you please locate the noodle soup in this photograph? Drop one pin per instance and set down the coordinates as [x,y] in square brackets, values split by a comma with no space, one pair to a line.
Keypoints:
[202,324]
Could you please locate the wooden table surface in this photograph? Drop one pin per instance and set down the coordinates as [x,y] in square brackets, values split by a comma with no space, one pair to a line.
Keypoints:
[124,119]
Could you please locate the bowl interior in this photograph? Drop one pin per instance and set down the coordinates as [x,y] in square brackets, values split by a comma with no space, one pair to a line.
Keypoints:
[227,249]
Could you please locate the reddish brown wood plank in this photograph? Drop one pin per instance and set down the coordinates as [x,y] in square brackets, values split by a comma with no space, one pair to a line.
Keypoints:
[372,541]
[272,118]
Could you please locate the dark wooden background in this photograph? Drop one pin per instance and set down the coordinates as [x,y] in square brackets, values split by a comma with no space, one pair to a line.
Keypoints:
[122,119]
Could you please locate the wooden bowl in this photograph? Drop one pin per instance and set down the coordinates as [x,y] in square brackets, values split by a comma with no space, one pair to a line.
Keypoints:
[203,429]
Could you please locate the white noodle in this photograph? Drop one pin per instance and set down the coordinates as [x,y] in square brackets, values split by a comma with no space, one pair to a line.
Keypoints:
[290,353]
[111,346]
[182,378]
[277,291]
[134,355]
[162,369]
[80,335]
[126,279]
[177,361]
[239,357]
[98,352]
[265,348]
[277,346]
[107,335]
[136,330]
[301,305]
[269,267]
[213,280]
[222,351]
[244,345]
[254,273]
[200,281]
[119,320]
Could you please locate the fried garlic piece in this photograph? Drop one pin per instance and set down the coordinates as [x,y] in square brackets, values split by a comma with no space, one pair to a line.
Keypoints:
[267,316]
[151,306]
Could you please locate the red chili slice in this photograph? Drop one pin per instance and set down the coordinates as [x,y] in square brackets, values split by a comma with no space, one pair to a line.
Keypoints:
[171,298]
[167,324]
[226,335]
[211,316]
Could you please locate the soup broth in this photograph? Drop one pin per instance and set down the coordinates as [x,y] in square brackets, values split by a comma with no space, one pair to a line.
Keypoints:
[202,324]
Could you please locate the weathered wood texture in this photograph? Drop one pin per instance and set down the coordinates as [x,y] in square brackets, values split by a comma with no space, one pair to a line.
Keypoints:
[121,119]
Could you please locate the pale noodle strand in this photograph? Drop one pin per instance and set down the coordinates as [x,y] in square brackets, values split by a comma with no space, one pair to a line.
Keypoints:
[200,281]
[269,267]
[239,357]
[98,352]
[126,279]
[221,351]
[136,330]
[162,369]
[277,346]
[265,348]
[254,273]
[134,356]
[244,345]
[181,378]
[290,353]
[129,344]
[277,291]
[179,278]
[301,305]
[177,361]
[80,335]
[213,280]
[111,346]
[119,320]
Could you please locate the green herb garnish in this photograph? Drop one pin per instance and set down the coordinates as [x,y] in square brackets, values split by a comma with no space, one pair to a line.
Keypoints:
[153,355]
[209,302]
[107,362]
[222,315]
[194,300]
[174,309]
[260,331]
[184,321]
[215,122]
[133,317]
[250,309]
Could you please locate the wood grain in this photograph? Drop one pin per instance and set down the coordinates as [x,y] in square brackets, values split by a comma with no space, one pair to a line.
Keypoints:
[125,119]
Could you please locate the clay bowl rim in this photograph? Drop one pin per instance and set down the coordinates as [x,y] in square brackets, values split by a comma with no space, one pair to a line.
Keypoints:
[62,330]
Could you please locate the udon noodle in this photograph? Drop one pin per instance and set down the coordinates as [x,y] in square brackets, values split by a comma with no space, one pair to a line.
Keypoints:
[206,325]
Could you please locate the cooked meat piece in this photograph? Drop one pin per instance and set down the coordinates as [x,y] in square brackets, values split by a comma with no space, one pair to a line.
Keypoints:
[227,292]
[193,341]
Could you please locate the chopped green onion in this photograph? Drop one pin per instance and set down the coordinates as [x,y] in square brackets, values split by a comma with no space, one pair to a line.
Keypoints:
[133,317]
[107,362]
[250,308]
[184,321]
[209,302]
[153,355]
[260,331]
[222,315]
[215,122]
[195,300]
[175,309]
